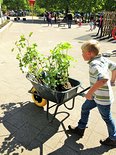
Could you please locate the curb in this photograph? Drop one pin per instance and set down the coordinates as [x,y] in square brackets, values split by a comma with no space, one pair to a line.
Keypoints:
[6,27]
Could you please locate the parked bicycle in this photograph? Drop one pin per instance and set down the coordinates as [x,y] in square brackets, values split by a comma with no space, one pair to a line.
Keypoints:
[109,54]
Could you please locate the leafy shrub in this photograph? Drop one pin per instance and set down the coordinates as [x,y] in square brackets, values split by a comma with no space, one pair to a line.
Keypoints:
[51,70]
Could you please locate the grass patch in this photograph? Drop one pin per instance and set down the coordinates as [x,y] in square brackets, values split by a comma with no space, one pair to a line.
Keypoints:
[3,24]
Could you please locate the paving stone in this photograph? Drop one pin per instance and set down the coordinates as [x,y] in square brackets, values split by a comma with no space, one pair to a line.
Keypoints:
[64,150]
[26,134]
[17,120]
[7,128]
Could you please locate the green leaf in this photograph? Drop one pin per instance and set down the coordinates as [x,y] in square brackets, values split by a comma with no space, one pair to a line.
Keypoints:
[30,34]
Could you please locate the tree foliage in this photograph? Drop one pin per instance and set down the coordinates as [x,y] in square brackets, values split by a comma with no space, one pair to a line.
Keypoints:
[1,1]
[64,5]
[15,4]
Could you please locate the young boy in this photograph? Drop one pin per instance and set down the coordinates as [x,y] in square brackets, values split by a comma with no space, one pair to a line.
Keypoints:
[100,94]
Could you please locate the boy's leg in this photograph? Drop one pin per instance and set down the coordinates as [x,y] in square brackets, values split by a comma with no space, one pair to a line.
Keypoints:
[86,107]
[105,111]
[85,111]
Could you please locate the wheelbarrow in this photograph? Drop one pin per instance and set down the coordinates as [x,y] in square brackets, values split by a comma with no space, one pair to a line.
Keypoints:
[42,94]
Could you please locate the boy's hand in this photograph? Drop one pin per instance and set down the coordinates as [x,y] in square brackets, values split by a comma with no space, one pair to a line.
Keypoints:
[95,87]
[113,78]
[88,96]
[113,83]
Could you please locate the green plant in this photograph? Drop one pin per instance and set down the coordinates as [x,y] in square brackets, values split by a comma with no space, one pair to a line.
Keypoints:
[59,62]
[51,70]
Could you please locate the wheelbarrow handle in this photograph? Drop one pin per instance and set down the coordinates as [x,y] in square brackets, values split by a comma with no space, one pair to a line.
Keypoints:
[81,93]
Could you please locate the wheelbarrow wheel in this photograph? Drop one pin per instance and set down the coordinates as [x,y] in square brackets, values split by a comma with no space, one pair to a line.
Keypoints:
[38,100]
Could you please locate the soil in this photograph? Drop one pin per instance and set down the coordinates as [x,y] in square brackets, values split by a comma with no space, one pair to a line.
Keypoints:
[65,87]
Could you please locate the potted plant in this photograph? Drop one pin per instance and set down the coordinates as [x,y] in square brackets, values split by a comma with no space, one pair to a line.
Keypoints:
[48,74]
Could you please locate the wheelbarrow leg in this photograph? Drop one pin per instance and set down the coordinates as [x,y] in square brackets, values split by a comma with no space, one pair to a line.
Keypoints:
[47,109]
[54,114]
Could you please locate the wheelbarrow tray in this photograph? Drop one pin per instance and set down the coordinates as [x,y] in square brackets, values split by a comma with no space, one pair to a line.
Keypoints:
[58,97]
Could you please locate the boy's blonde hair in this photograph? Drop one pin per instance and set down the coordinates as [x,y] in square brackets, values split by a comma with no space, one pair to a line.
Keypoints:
[91,46]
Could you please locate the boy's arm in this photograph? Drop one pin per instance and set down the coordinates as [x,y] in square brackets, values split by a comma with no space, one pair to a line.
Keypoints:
[113,78]
[112,68]
[95,87]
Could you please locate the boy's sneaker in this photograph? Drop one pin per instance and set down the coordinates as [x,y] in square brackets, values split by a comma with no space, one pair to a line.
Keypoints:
[76,130]
[108,142]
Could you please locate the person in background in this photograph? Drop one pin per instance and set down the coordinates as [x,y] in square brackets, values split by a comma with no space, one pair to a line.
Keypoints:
[49,18]
[55,17]
[69,19]
[94,24]
[80,22]
[91,23]
[100,26]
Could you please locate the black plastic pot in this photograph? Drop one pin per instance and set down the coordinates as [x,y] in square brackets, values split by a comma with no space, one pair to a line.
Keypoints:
[58,97]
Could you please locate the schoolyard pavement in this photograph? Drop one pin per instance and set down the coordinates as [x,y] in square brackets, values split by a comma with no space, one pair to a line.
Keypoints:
[24,128]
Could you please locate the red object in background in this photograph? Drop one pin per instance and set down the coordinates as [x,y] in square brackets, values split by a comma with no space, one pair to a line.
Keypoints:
[31,2]
[114,33]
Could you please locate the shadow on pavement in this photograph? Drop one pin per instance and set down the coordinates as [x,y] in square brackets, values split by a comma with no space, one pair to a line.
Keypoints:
[34,21]
[92,36]
[104,39]
[84,37]
[27,125]
[89,37]
[71,146]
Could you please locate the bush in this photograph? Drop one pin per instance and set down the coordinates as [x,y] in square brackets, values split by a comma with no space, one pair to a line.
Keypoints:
[51,70]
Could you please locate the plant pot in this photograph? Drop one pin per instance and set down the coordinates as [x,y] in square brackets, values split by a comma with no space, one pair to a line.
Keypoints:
[58,97]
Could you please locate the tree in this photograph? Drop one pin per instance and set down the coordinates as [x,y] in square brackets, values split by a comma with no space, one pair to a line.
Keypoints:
[1,1]
[15,4]
[85,6]
[110,5]
[1,11]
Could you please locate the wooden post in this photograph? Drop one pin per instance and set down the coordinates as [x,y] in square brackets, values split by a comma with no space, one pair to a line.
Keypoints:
[109,22]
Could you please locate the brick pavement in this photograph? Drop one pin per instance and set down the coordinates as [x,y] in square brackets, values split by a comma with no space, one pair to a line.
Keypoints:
[24,127]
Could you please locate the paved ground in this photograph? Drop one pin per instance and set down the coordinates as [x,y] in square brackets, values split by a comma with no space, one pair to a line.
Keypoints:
[24,129]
